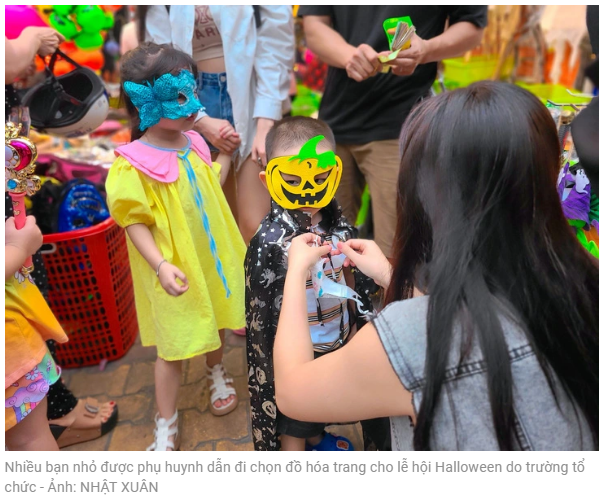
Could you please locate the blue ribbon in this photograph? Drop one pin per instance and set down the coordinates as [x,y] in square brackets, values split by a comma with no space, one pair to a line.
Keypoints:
[205,218]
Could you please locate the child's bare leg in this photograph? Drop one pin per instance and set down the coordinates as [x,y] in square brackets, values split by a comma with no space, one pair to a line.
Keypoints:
[215,357]
[315,440]
[225,161]
[33,433]
[167,380]
[292,443]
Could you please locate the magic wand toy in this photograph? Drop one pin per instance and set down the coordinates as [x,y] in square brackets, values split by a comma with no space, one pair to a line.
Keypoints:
[20,155]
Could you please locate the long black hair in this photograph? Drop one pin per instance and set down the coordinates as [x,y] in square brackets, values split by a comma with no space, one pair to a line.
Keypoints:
[481,230]
[146,63]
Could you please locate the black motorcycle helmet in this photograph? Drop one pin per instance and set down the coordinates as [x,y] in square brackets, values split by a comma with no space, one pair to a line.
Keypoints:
[70,105]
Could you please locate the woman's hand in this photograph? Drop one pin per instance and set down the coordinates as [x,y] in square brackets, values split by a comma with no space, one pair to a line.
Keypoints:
[168,276]
[302,256]
[368,258]
[258,149]
[28,240]
[211,129]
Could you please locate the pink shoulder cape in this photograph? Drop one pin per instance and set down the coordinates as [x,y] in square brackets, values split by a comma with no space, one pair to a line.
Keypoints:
[161,164]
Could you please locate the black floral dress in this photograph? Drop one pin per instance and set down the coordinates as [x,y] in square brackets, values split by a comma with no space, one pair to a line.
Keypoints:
[266,265]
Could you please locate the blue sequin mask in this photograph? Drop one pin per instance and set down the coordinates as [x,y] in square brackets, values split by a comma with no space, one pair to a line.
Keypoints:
[163,98]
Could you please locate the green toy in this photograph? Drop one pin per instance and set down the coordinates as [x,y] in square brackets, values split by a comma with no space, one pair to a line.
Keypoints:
[306,103]
[82,24]
[589,246]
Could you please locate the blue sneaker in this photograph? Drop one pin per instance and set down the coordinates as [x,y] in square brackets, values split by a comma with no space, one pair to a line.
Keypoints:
[331,442]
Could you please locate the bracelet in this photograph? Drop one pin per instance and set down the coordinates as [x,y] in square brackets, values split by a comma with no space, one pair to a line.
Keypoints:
[159,266]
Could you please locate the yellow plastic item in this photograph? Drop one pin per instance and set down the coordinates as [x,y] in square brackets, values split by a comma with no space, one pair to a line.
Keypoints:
[459,73]
[554,92]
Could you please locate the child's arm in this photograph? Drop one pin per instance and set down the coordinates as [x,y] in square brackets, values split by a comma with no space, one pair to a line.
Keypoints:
[168,274]
[14,258]
[225,157]
[19,244]
[225,161]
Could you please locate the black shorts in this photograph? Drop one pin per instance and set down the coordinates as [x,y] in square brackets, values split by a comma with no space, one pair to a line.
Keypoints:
[299,429]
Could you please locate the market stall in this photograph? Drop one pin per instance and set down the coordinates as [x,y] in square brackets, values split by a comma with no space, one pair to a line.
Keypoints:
[544,49]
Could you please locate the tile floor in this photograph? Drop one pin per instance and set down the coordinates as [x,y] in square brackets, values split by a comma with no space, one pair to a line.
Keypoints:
[129,381]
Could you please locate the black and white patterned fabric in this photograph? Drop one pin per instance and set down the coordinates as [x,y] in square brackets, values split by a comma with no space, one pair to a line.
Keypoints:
[266,266]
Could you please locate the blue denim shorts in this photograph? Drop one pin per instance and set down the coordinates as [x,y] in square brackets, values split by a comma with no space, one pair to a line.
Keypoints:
[212,92]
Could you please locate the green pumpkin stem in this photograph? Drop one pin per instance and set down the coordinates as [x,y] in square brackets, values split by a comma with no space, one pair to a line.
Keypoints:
[309,151]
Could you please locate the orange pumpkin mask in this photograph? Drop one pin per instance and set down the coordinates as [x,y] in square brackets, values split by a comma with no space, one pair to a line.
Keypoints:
[315,177]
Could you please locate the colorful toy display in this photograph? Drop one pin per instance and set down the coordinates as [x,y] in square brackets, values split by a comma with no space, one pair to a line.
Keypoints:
[574,190]
[19,17]
[83,24]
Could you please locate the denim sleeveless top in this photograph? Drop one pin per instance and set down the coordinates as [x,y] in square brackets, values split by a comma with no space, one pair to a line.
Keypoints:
[463,418]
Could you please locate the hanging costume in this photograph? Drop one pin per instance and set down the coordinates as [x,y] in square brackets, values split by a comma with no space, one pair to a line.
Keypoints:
[580,206]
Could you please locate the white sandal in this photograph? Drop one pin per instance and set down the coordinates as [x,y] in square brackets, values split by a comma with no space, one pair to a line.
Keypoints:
[164,429]
[221,389]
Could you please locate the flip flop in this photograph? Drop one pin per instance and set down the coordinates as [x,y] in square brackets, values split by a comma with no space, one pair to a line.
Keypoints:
[82,424]
[331,442]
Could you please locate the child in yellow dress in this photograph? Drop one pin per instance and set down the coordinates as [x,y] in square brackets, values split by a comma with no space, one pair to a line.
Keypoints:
[185,250]
[29,370]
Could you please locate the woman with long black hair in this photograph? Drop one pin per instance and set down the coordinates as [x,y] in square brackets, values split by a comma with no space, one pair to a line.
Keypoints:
[502,351]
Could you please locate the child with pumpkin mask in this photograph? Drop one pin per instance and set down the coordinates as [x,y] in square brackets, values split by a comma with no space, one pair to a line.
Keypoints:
[302,176]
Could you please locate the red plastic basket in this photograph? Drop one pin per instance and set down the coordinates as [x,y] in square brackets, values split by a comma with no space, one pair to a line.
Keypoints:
[91,293]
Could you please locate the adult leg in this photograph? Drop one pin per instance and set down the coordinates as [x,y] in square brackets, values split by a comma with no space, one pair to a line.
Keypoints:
[253,199]
[33,433]
[379,161]
[73,421]
[351,185]
[62,402]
